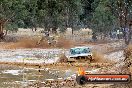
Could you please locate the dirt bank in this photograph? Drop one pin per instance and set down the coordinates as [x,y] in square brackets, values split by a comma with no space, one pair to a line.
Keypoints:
[32,43]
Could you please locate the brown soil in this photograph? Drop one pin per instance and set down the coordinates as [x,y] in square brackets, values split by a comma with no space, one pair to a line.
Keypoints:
[32,43]
[128,51]
[60,66]
[62,59]
[99,58]
[64,43]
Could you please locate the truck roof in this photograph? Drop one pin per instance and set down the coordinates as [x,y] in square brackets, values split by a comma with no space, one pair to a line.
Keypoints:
[81,47]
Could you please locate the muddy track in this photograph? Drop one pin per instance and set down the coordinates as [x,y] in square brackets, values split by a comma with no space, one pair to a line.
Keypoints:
[56,65]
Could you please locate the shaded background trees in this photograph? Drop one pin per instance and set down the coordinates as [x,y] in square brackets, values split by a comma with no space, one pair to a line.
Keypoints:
[100,15]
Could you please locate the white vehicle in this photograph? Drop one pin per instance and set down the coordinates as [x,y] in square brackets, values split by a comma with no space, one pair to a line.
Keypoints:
[80,54]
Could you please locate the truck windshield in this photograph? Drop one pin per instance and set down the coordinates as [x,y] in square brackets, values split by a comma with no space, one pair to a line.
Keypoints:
[79,51]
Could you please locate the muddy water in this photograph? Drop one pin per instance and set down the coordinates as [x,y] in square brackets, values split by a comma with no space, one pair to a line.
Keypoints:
[30,55]
[14,77]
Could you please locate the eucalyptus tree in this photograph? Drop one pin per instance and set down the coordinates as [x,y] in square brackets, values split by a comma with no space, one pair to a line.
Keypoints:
[103,20]
[122,9]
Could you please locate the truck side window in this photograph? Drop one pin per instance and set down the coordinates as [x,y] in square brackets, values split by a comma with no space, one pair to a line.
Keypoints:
[72,52]
[77,51]
[88,50]
[84,51]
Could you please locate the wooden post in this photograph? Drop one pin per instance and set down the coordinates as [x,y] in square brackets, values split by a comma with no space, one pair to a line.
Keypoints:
[38,76]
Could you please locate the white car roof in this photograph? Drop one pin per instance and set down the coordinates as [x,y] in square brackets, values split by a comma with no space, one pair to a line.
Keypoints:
[81,47]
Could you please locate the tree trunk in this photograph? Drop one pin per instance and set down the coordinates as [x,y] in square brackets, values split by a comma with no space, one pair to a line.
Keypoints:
[123,9]
[2,34]
[54,30]
[1,28]
[128,34]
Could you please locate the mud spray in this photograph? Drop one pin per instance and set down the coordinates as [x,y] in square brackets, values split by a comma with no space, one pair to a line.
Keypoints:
[32,43]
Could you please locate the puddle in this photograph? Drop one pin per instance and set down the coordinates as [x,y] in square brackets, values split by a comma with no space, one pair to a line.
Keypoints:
[13,72]
[16,77]
[11,76]
[30,55]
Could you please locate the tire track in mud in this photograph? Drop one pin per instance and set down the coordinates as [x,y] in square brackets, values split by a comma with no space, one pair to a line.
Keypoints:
[57,65]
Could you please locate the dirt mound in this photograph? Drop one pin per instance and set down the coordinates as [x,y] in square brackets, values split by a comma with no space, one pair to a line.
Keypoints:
[27,42]
[128,51]
[128,56]
[23,43]
[62,59]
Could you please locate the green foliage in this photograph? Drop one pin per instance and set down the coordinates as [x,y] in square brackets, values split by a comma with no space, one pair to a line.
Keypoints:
[12,11]
[11,27]
[59,13]
[100,15]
